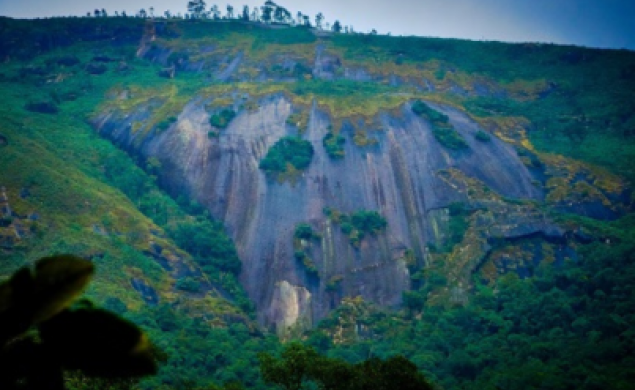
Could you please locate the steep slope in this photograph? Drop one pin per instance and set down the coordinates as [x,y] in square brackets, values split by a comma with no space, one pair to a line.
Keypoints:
[393,164]
[446,205]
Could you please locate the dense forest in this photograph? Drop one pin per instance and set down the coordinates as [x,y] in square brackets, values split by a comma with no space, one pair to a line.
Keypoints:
[89,100]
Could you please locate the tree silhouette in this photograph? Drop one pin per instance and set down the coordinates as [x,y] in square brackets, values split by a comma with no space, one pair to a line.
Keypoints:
[230,12]
[318,20]
[337,27]
[245,15]
[267,12]
[299,365]
[281,14]
[196,8]
[215,11]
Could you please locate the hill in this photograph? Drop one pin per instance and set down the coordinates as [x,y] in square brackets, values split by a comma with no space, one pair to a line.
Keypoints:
[436,180]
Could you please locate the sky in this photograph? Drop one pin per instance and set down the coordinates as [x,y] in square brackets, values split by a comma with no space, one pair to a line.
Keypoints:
[594,23]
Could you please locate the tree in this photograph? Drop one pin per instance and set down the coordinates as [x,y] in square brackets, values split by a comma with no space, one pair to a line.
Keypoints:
[255,14]
[123,14]
[318,20]
[292,369]
[215,11]
[307,20]
[337,27]
[97,13]
[151,9]
[299,18]
[299,365]
[167,14]
[196,8]
[281,14]
[104,14]
[230,12]
[142,13]
[245,15]
[267,11]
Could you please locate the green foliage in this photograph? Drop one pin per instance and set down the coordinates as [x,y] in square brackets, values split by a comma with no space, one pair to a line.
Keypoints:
[188,284]
[482,136]
[442,129]
[303,231]
[300,366]
[334,283]
[358,224]
[431,115]
[222,119]
[367,221]
[570,323]
[334,145]
[41,334]
[204,239]
[288,150]
[165,124]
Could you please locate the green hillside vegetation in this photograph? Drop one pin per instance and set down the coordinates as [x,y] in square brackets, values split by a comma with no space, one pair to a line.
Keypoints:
[567,327]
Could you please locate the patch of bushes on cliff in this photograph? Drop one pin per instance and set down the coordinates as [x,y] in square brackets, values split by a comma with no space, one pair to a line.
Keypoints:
[442,129]
[482,136]
[334,145]
[292,151]
[357,224]
[305,232]
[223,118]
[457,227]
[165,124]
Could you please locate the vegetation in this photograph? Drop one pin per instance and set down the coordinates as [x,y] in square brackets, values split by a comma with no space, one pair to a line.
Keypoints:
[334,145]
[442,129]
[42,334]
[567,325]
[482,136]
[303,231]
[357,224]
[287,151]
[300,367]
[222,119]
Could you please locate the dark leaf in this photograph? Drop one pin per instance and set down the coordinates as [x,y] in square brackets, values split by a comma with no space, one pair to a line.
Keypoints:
[99,343]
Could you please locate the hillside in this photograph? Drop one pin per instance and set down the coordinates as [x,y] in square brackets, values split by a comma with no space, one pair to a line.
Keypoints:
[245,180]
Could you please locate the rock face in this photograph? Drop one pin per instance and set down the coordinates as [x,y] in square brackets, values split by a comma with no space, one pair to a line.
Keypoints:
[399,176]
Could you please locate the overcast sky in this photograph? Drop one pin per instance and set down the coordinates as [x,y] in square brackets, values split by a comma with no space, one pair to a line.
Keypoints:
[596,23]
